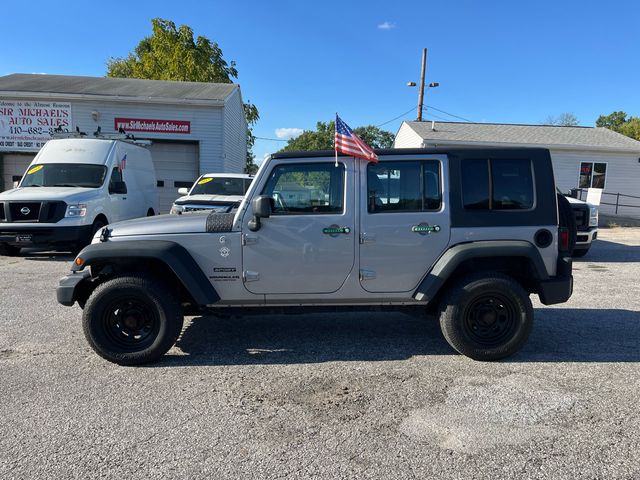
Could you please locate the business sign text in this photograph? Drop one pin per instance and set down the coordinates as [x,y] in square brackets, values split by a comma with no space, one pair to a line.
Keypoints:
[27,125]
[150,125]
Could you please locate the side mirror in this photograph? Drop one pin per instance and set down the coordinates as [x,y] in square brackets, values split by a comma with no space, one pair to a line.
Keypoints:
[183,191]
[262,207]
[118,187]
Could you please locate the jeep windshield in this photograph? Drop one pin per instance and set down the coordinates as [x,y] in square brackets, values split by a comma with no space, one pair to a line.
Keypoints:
[64,175]
[221,186]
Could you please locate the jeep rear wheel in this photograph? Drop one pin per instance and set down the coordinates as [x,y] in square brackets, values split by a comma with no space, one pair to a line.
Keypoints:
[132,320]
[486,316]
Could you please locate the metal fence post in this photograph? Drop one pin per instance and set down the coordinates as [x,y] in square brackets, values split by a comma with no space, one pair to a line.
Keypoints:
[617,201]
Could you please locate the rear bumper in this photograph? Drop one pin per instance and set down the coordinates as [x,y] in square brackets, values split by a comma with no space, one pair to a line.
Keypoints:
[559,288]
[67,290]
[49,235]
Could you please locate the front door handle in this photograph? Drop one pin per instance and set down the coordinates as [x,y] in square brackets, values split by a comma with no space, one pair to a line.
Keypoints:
[334,230]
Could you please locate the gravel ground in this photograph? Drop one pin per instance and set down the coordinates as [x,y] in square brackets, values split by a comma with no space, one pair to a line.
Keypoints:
[326,396]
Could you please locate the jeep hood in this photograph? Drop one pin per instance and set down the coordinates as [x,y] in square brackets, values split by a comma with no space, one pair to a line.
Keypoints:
[160,225]
[188,199]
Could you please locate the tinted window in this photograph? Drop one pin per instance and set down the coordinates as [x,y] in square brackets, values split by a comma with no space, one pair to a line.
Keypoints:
[497,184]
[306,188]
[512,184]
[403,186]
[475,184]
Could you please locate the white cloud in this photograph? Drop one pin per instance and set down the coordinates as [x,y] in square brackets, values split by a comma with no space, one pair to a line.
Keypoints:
[386,26]
[288,133]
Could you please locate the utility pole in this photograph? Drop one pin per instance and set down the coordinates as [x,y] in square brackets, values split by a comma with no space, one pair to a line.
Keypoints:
[421,94]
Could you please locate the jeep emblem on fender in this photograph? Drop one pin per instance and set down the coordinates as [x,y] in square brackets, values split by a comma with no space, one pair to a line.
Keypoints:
[25,211]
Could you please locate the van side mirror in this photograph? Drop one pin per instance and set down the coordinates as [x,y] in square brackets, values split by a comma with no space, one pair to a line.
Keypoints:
[262,207]
[118,187]
[183,191]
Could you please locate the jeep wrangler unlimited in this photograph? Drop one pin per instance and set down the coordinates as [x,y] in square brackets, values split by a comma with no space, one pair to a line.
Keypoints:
[467,234]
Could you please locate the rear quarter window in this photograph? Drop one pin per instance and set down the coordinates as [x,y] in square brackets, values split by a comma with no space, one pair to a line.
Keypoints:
[497,184]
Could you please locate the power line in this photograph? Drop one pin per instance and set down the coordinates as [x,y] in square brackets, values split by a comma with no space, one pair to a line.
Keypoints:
[271,139]
[402,114]
[450,114]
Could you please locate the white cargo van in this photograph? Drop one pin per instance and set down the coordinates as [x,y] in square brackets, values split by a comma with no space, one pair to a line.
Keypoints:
[74,187]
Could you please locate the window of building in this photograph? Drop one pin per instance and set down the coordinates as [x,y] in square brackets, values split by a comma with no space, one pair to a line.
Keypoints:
[497,184]
[592,175]
[411,186]
[306,188]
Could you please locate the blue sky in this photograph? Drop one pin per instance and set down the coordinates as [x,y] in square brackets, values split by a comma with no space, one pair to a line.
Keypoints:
[300,62]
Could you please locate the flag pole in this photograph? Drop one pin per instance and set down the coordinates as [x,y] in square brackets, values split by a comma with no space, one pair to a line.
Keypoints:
[335,145]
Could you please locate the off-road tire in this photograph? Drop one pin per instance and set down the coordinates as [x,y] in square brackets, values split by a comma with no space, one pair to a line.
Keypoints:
[9,250]
[468,328]
[124,305]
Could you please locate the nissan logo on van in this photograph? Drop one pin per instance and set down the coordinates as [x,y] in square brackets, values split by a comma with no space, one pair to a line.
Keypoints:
[25,211]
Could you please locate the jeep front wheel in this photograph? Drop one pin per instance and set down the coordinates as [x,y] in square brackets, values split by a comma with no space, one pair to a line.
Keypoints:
[486,316]
[132,319]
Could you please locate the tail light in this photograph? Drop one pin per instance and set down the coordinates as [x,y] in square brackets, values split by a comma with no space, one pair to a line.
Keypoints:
[564,239]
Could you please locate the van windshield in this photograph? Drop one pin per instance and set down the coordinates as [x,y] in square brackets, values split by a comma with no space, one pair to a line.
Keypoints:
[64,175]
[221,186]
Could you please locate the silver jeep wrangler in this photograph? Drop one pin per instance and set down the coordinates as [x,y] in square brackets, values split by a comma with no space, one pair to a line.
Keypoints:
[466,234]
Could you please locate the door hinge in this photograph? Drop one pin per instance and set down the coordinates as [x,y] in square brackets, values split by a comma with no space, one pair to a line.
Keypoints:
[249,239]
[367,237]
[250,276]
[367,275]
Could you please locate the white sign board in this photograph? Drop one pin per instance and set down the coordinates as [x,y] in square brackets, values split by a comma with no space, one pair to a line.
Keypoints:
[26,125]
[594,195]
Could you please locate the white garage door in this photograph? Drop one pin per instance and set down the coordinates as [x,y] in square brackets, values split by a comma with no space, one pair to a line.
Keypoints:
[177,166]
[13,167]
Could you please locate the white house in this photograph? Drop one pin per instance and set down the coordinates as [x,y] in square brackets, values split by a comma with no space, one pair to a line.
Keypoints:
[194,127]
[583,157]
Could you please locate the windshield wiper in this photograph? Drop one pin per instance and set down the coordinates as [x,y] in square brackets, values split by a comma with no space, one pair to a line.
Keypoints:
[64,185]
[32,185]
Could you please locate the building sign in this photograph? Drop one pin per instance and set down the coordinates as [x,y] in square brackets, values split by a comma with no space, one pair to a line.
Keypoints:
[27,125]
[150,125]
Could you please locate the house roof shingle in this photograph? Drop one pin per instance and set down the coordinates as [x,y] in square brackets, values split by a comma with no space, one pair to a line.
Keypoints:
[534,135]
[115,87]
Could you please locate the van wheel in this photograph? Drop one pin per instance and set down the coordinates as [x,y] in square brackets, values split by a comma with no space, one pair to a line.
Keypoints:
[486,316]
[9,250]
[132,319]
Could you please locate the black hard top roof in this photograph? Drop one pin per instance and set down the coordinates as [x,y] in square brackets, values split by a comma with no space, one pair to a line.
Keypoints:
[410,151]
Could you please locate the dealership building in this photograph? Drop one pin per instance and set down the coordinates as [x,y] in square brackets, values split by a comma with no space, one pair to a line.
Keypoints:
[194,127]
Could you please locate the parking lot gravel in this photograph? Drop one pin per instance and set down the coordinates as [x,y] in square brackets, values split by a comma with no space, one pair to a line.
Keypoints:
[326,396]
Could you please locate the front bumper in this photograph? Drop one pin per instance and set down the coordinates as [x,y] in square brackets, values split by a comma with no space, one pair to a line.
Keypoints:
[49,235]
[585,237]
[67,291]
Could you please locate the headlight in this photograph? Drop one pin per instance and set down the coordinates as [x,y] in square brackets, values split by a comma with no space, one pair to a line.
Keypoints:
[76,210]
[593,216]
[176,209]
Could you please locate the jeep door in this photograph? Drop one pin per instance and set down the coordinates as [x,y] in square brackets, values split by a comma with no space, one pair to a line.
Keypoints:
[404,221]
[307,245]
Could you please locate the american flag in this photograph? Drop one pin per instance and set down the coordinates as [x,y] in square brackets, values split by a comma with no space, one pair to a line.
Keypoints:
[123,163]
[349,143]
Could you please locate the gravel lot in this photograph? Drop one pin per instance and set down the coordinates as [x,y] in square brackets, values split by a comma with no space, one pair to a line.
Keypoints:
[330,396]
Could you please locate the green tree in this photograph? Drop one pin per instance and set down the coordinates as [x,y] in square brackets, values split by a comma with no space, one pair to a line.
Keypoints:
[322,138]
[565,119]
[172,53]
[622,123]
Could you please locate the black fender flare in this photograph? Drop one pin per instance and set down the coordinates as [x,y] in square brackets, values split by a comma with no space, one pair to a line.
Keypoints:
[172,254]
[454,256]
